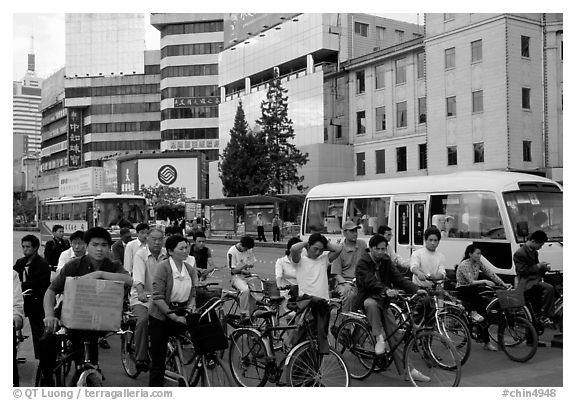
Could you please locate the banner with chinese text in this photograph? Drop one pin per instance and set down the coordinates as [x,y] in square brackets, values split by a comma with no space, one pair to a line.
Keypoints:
[75,118]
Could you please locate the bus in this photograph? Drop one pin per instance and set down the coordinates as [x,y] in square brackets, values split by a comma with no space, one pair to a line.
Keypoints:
[496,210]
[109,210]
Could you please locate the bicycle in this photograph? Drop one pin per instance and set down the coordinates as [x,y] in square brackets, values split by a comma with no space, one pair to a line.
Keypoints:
[198,349]
[253,361]
[425,350]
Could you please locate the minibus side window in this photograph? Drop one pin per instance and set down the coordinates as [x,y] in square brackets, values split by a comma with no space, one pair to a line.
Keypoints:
[369,213]
[324,216]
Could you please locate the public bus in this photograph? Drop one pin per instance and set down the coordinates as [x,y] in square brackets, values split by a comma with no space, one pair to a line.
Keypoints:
[108,210]
[494,209]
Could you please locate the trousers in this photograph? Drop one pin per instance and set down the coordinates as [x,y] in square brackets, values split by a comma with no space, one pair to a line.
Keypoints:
[141,331]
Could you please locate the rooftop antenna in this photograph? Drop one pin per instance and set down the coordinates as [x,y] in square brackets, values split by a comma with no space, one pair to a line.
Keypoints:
[31,56]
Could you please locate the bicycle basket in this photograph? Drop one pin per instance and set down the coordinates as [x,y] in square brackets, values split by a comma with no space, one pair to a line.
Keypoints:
[270,288]
[207,333]
[510,298]
[205,294]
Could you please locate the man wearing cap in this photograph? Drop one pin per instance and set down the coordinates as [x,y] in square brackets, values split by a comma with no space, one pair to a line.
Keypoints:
[344,267]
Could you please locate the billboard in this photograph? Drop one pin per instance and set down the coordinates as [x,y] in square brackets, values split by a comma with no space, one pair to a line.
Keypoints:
[240,26]
[176,172]
[85,181]
[128,177]
[75,120]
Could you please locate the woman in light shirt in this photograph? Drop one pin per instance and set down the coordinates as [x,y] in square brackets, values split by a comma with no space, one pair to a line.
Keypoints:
[172,287]
[286,273]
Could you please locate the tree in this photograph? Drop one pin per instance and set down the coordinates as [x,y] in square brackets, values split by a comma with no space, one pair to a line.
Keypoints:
[167,201]
[283,157]
[242,167]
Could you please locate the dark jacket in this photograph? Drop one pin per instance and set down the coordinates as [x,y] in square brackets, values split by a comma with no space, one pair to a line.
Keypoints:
[372,280]
[163,283]
[53,249]
[38,279]
[527,270]
[118,251]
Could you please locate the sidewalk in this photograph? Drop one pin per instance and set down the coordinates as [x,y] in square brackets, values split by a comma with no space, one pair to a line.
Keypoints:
[233,240]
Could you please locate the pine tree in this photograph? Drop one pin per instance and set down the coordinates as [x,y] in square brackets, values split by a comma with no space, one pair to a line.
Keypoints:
[283,157]
[242,167]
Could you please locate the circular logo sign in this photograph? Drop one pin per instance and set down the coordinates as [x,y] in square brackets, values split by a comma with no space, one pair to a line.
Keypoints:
[167,174]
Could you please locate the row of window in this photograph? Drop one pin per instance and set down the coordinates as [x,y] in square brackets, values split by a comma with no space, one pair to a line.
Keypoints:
[191,49]
[112,127]
[192,134]
[190,91]
[124,145]
[124,108]
[111,90]
[191,112]
[400,76]
[476,52]
[189,70]
[192,27]
[362,29]
[153,69]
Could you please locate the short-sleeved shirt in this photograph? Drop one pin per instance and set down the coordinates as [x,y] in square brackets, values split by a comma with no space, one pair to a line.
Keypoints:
[82,266]
[345,264]
[201,256]
[285,270]
[311,275]
[143,271]
[240,258]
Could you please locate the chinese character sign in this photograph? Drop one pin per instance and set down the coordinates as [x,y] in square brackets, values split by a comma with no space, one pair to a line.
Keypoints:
[75,118]
[185,102]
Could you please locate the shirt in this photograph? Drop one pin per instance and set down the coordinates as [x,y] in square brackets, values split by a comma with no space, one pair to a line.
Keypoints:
[395,258]
[430,262]
[286,271]
[66,256]
[182,283]
[201,256]
[345,264]
[469,270]
[312,277]
[130,251]
[143,272]
[239,259]
[17,299]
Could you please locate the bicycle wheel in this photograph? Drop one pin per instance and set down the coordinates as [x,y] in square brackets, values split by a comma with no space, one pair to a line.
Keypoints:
[494,313]
[60,373]
[517,338]
[90,378]
[355,344]
[215,373]
[455,329]
[232,313]
[308,368]
[128,353]
[248,358]
[430,359]
[173,369]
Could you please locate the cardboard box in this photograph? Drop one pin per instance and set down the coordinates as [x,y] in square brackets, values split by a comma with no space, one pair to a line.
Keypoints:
[92,304]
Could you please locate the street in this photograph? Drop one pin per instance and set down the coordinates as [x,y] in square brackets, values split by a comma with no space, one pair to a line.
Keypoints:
[484,369]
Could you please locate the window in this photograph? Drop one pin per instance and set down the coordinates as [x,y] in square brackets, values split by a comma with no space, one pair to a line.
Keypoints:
[422,110]
[474,216]
[324,216]
[450,58]
[399,35]
[400,71]
[476,49]
[361,29]
[452,155]
[451,106]
[422,156]
[448,16]
[360,122]
[380,118]
[380,30]
[380,76]
[401,115]
[380,161]
[527,150]
[478,101]
[360,82]
[370,213]
[401,159]
[525,98]
[338,131]
[525,46]
[420,65]
[360,164]
[478,152]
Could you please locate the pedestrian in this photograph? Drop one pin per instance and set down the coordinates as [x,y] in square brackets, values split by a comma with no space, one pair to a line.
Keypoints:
[55,246]
[96,264]
[276,225]
[119,246]
[343,267]
[260,227]
[135,245]
[34,273]
[240,260]
[77,249]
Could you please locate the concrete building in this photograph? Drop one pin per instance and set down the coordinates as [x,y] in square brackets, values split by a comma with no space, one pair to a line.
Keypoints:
[304,48]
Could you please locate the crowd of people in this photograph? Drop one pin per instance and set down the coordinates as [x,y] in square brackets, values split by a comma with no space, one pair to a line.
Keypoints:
[160,269]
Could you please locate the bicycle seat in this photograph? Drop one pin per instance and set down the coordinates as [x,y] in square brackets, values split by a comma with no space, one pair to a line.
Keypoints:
[263,313]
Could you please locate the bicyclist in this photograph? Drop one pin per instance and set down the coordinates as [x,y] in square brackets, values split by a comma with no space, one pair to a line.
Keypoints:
[77,249]
[286,272]
[312,278]
[469,288]
[344,265]
[241,258]
[202,255]
[378,280]
[400,263]
[96,264]
[173,287]
[530,272]
[427,262]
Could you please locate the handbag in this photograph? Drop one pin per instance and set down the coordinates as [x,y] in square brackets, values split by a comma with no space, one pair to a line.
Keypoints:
[206,332]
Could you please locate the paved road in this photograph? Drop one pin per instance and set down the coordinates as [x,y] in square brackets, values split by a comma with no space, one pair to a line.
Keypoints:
[484,369]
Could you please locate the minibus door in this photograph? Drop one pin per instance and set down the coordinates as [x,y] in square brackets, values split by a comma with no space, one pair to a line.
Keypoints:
[409,232]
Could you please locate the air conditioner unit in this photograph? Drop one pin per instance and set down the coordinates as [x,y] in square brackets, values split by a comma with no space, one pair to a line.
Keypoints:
[335,30]
[376,48]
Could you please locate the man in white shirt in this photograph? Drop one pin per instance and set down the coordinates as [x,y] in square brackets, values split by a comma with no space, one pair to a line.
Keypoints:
[135,245]
[145,261]
[241,258]
[77,249]
[427,262]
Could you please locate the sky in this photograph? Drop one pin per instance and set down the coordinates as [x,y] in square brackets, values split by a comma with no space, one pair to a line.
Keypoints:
[48,32]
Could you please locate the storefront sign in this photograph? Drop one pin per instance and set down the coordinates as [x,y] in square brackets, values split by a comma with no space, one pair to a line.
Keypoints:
[185,102]
[75,119]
